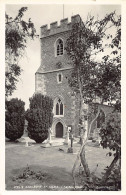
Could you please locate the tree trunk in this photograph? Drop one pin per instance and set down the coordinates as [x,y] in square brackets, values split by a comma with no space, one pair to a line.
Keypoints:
[84,162]
[81,154]
[108,171]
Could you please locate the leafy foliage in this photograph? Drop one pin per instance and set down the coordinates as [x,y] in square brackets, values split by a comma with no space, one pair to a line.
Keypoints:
[96,78]
[14,119]
[39,117]
[17,32]
[110,133]
[28,173]
[115,177]
[90,77]
[113,183]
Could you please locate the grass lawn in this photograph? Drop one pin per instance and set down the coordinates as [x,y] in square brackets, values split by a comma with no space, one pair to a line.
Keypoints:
[50,168]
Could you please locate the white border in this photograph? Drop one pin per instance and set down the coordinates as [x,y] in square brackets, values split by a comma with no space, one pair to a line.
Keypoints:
[2,88]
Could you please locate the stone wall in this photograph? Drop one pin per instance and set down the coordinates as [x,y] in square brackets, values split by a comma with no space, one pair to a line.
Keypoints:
[46,75]
[48,59]
[51,65]
[54,89]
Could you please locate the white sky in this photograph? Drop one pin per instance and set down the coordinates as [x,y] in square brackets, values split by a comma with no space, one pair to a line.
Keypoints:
[45,14]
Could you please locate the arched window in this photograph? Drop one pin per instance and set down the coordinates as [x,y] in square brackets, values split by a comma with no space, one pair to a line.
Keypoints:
[59,111]
[59,47]
[61,108]
[100,119]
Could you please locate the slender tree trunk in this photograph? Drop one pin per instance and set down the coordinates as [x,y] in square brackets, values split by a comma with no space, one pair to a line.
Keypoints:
[108,171]
[84,162]
[80,154]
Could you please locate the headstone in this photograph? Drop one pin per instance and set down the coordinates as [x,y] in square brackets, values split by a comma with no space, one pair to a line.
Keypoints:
[67,140]
[99,139]
[26,144]
[71,140]
[50,134]
[70,149]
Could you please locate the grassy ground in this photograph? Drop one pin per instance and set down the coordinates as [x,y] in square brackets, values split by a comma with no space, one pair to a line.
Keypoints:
[55,166]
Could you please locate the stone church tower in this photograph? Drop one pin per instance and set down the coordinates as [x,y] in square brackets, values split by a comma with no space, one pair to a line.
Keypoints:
[51,78]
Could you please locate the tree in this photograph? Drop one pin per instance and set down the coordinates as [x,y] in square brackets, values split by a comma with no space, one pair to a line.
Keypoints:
[15,119]
[111,138]
[94,78]
[90,77]
[17,33]
[39,117]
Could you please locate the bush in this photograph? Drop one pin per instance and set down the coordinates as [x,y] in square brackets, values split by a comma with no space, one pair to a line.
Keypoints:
[39,117]
[70,150]
[14,119]
[110,133]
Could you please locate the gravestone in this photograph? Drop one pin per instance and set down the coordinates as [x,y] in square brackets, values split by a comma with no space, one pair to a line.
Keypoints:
[67,140]
[50,136]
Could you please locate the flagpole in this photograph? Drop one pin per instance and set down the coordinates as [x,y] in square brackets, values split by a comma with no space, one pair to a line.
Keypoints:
[63,11]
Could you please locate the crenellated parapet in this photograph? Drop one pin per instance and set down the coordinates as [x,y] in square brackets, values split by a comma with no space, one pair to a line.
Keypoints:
[54,28]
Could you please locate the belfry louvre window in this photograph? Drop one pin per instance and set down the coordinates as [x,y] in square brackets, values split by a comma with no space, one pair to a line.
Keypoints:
[59,107]
[59,47]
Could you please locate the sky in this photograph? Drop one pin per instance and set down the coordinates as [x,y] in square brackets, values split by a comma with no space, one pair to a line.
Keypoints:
[42,14]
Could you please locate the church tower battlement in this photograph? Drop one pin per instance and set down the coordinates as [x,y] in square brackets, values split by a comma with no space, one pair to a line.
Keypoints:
[54,28]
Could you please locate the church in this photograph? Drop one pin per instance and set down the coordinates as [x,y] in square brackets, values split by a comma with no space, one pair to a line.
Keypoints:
[51,78]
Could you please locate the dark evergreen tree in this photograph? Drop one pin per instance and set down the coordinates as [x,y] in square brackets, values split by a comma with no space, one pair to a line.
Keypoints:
[39,117]
[15,119]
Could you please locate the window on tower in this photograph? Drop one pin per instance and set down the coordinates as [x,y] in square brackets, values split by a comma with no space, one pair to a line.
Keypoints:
[59,111]
[61,108]
[59,47]
[59,77]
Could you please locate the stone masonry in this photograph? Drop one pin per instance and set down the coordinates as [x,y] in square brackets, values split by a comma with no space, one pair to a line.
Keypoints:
[52,65]
[46,77]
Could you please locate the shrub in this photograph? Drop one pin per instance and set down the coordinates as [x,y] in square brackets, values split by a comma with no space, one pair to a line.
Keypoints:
[111,133]
[39,117]
[14,119]
[111,138]
[70,150]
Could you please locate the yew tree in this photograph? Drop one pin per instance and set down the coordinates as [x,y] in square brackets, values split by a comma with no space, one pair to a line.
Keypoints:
[39,117]
[17,33]
[94,48]
[14,119]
